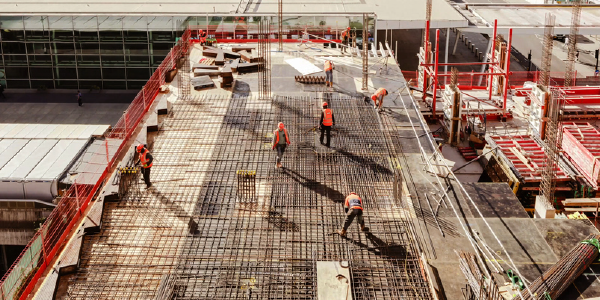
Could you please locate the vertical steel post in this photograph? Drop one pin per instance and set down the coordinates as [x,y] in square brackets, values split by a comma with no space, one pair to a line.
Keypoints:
[510,32]
[365,54]
[492,59]
[425,59]
[435,72]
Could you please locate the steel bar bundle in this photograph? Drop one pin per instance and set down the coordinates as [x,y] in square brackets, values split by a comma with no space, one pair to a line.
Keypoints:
[556,280]
[481,288]
[310,79]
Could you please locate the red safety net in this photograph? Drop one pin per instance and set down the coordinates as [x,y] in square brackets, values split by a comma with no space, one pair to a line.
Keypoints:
[25,272]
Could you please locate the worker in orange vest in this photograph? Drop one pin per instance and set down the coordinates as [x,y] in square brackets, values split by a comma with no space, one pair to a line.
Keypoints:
[354,209]
[327,120]
[202,36]
[146,159]
[280,141]
[328,73]
[345,38]
[378,97]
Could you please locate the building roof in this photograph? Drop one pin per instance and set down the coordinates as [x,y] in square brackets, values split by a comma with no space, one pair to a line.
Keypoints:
[391,14]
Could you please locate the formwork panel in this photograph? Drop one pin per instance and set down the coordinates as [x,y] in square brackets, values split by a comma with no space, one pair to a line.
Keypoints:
[581,144]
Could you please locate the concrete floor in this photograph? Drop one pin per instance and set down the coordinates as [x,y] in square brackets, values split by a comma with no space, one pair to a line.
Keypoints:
[62,113]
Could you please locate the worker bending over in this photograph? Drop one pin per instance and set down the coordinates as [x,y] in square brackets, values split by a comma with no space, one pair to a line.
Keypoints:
[345,38]
[327,120]
[378,98]
[201,37]
[328,73]
[146,159]
[280,141]
[354,208]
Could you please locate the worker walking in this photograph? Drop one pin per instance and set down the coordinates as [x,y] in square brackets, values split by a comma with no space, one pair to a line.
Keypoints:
[354,209]
[378,98]
[79,98]
[327,120]
[280,141]
[146,159]
[345,38]
[328,73]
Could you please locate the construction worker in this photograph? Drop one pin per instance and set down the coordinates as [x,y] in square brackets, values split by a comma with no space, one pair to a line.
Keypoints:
[280,141]
[345,38]
[201,36]
[378,97]
[353,208]
[328,73]
[327,120]
[146,159]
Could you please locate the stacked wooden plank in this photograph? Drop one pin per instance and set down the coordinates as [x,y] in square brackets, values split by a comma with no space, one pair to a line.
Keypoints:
[581,144]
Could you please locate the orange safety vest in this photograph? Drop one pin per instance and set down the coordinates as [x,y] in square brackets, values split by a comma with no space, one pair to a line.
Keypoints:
[353,202]
[144,160]
[379,93]
[344,33]
[328,66]
[328,117]
[287,139]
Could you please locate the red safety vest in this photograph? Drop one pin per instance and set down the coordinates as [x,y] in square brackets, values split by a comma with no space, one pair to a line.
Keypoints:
[353,202]
[145,161]
[344,33]
[287,139]
[327,118]
[380,92]
[328,66]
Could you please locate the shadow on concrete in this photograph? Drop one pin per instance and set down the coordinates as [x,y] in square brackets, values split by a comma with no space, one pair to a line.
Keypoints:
[315,186]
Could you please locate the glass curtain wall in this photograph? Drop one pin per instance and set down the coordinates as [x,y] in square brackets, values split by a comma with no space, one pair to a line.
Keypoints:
[112,52]
[83,52]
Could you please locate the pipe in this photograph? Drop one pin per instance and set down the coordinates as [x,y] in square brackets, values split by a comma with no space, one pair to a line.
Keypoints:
[435,76]
[508,47]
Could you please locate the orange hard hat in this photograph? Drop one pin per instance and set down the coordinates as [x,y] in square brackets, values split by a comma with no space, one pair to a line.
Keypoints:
[348,28]
[324,104]
[139,148]
[352,193]
[280,125]
[373,97]
[201,31]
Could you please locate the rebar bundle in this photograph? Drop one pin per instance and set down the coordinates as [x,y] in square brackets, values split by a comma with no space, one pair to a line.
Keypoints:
[575,17]
[547,50]
[246,181]
[128,176]
[310,79]
[481,288]
[556,280]
[280,24]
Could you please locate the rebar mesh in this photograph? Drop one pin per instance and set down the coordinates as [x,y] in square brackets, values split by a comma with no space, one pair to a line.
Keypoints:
[216,247]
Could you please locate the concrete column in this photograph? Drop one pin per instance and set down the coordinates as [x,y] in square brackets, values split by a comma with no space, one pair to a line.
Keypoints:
[456,41]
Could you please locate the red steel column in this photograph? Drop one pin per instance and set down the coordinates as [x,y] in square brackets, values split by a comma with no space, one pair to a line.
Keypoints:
[492,58]
[435,72]
[425,59]
[510,31]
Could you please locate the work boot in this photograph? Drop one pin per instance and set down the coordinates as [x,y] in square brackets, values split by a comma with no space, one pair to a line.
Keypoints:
[364,228]
[342,232]
[149,186]
[279,165]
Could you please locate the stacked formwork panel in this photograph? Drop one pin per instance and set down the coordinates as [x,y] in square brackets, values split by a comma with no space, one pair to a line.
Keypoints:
[581,145]
[525,159]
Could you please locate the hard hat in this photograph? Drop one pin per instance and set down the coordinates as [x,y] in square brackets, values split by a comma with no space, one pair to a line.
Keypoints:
[139,148]
[348,28]
[352,193]
[201,31]
[374,97]
[280,125]
[324,104]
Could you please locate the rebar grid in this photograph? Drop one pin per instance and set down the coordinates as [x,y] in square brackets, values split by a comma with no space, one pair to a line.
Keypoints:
[268,248]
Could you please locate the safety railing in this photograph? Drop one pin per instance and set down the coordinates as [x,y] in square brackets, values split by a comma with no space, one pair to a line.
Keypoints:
[49,240]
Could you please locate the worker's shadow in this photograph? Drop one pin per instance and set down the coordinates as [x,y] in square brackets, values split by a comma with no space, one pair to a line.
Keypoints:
[315,186]
[369,163]
[177,210]
[380,247]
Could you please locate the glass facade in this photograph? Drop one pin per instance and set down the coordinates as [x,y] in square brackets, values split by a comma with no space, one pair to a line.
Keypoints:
[120,52]
[83,52]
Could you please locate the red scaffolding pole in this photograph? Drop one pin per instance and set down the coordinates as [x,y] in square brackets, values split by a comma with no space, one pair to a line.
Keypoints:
[435,74]
[493,56]
[507,69]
